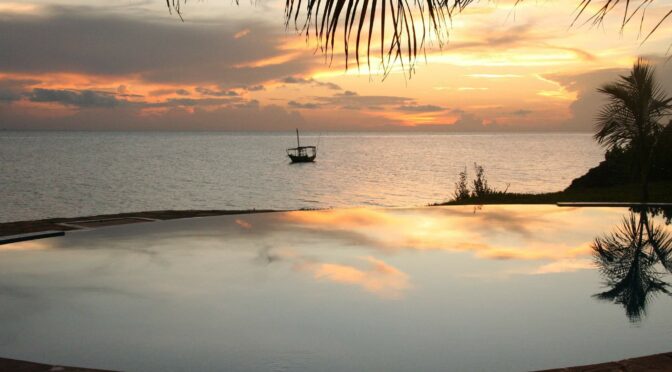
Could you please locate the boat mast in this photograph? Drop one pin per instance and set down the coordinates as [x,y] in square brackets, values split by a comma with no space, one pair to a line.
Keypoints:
[297,138]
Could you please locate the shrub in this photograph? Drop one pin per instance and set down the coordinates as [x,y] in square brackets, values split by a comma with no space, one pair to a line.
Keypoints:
[479,186]
[461,188]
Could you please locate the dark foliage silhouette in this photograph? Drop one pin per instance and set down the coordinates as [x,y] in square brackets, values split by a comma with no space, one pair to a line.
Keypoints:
[629,259]
[634,119]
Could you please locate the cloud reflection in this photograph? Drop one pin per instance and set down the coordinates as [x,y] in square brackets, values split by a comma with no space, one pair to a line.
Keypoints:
[372,275]
[535,233]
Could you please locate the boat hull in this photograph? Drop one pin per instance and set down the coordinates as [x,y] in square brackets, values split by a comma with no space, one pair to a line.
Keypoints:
[301,159]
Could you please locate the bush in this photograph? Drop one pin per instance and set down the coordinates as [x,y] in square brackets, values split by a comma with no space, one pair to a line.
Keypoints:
[461,188]
[479,186]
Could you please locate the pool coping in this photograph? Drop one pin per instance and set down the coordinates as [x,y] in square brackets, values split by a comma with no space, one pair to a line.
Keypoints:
[12,232]
[34,228]
[7,364]
[654,362]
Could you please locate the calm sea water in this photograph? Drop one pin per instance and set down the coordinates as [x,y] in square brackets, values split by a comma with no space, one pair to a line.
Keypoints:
[67,174]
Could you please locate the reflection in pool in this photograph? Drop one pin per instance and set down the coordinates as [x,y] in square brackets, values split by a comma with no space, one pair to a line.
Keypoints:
[454,288]
[630,258]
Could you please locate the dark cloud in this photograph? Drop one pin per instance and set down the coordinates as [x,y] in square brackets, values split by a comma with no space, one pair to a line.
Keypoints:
[353,100]
[421,108]
[248,104]
[79,98]
[520,112]
[309,106]
[96,99]
[300,80]
[13,89]
[349,100]
[296,80]
[81,40]
[172,102]
[216,93]
[589,100]
[255,88]
[242,116]
[182,92]
[8,96]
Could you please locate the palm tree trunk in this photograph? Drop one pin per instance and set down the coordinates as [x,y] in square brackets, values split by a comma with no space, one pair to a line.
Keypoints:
[646,170]
[645,188]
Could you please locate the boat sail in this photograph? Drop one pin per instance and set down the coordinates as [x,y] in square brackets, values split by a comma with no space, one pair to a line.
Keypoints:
[302,154]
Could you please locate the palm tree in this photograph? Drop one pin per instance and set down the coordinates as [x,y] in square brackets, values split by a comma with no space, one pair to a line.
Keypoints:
[632,120]
[402,26]
[627,259]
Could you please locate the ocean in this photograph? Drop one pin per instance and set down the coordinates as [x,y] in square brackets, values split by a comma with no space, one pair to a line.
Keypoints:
[69,174]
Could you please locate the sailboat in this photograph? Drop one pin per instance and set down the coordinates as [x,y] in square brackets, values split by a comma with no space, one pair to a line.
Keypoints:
[302,154]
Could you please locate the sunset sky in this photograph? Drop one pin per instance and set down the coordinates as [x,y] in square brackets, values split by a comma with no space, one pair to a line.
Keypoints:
[131,65]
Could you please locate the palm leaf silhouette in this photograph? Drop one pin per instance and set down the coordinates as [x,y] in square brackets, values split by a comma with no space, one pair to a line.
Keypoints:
[403,26]
[627,259]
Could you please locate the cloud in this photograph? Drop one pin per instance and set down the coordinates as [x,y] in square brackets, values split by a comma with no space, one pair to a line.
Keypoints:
[309,106]
[518,36]
[300,80]
[13,89]
[255,88]
[520,112]
[421,108]
[589,100]
[353,100]
[172,102]
[79,98]
[216,93]
[85,41]
[178,115]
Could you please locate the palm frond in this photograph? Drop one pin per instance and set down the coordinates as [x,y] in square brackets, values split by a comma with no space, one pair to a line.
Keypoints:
[402,26]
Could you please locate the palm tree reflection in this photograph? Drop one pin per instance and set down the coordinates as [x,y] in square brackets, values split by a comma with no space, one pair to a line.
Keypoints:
[633,260]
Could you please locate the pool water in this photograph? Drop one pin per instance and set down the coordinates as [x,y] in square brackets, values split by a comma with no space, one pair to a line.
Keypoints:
[431,289]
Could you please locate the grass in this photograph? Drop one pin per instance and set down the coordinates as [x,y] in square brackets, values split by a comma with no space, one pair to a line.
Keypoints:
[660,192]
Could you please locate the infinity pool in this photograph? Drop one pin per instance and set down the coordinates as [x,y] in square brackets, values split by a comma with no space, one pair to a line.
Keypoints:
[429,289]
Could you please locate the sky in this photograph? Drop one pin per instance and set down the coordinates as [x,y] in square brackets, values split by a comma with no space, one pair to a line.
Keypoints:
[134,65]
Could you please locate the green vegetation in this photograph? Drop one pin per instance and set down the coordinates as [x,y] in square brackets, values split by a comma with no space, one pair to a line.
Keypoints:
[479,187]
[631,122]
[660,192]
